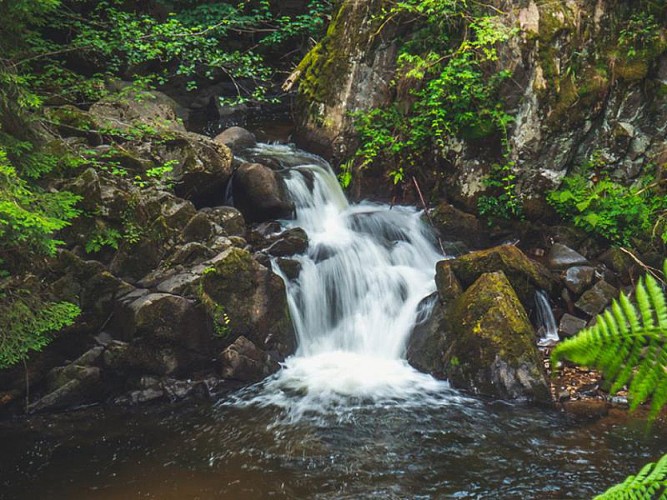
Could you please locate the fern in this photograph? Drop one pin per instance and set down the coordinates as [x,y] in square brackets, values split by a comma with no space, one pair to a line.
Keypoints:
[628,344]
[651,482]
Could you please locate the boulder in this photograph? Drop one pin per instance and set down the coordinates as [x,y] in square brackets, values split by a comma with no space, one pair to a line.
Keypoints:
[291,242]
[131,109]
[454,224]
[236,138]
[426,344]
[490,350]
[525,275]
[70,386]
[447,283]
[562,257]
[247,299]
[579,278]
[229,218]
[570,325]
[593,301]
[290,268]
[245,362]
[259,193]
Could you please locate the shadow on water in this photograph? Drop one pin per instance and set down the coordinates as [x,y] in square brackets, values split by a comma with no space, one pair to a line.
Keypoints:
[364,450]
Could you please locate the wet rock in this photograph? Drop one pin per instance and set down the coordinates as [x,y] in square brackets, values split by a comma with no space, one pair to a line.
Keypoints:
[579,278]
[525,275]
[593,301]
[290,268]
[260,194]
[562,257]
[291,242]
[245,362]
[236,138]
[246,299]
[426,344]
[449,287]
[570,325]
[586,409]
[491,347]
[191,254]
[229,218]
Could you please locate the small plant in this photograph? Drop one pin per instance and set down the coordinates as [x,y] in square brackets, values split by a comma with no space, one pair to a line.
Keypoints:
[507,204]
[651,482]
[221,321]
[639,34]
[103,236]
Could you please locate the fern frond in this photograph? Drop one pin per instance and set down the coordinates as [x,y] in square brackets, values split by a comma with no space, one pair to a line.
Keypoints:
[650,483]
[628,343]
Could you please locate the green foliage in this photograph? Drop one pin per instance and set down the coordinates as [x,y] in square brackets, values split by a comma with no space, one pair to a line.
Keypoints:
[639,34]
[453,81]
[28,215]
[602,206]
[628,344]
[506,204]
[103,236]
[26,324]
[650,483]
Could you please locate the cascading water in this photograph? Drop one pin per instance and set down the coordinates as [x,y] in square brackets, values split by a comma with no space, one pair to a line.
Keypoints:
[354,304]
[547,328]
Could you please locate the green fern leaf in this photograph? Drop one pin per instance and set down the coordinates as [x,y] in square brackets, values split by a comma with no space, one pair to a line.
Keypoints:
[628,343]
[650,483]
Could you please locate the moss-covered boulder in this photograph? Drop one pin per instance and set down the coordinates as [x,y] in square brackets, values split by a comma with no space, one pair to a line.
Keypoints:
[524,274]
[491,344]
[246,299]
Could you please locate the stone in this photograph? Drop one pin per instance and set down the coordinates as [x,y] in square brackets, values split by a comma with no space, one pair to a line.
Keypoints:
[525,275]
[562,257]
[260,194]
[190,254]
[184,284]
[290,268]
[570,325]
[490,350]
[245,362]
[199,228]
[579,278]
[454,224]
[448,285]
[229,218]
[291,242]
[593,301]
[246,299]
[426,344]
[70,386]
[236,138]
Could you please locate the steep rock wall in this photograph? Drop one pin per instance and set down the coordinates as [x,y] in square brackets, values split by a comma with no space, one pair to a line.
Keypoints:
[575,92]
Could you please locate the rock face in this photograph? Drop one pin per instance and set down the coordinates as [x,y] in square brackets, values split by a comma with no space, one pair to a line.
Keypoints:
[575,91]
[259,193]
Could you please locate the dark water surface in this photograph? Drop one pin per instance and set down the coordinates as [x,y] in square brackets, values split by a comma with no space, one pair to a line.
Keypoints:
[198,450]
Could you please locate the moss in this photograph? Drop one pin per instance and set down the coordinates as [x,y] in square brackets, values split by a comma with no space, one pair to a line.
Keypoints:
[632,70]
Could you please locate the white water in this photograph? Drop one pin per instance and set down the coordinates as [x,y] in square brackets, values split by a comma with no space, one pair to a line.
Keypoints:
[354,304]
[547,328]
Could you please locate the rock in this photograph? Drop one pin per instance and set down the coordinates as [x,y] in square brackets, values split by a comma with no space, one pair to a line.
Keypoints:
[525,275]
[454,224]
[246,299]
[562,257]
[426,344]
[586,409]
[448,285]
[199,228]
[236,138]
[88,186]
[290,268]
[191,254]
[164,317]
[579,278]
[184,284]
[593,301]
[260,194]
[619,262]
[229,218]
[570,325]
[201,167]
[291,242]
[245,362]
[70,386]
[131,109]
[491,348]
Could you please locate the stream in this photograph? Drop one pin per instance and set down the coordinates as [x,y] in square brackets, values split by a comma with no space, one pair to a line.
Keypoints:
[346,417]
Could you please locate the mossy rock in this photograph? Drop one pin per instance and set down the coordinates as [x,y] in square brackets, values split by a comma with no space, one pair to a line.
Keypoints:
[491,347]
[525,275]
[244,298]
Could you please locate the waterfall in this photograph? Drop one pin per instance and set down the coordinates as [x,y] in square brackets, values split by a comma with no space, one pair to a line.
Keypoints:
[355,302]
[547,328]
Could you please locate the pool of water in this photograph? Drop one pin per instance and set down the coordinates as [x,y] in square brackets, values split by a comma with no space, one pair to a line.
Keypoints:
[365,449]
